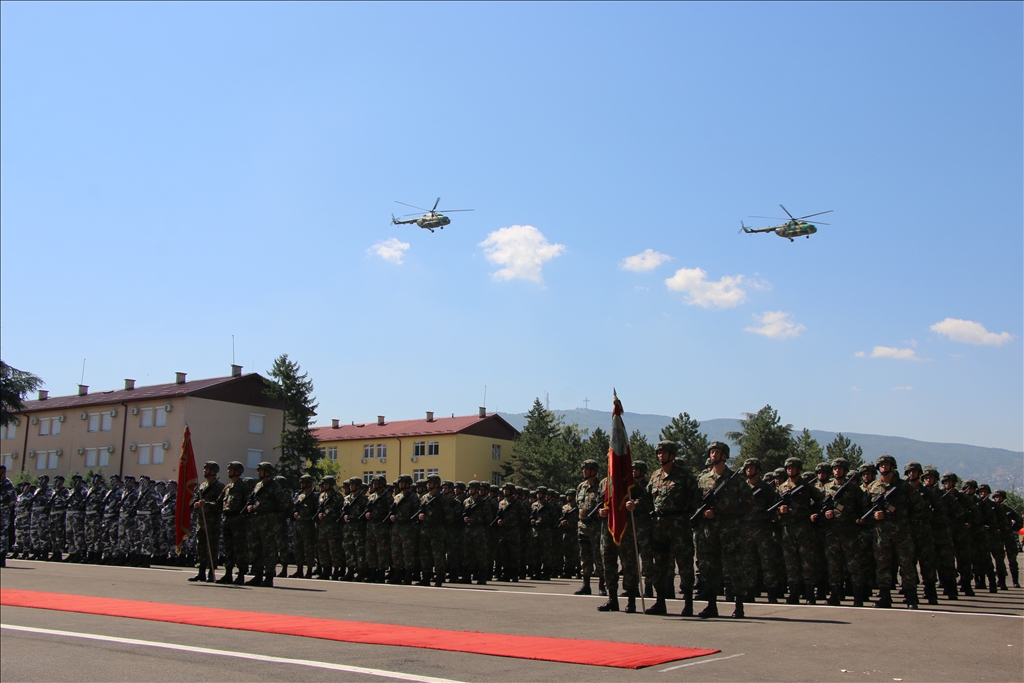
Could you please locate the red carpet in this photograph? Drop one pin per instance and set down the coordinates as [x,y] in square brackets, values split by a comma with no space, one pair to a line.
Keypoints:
[569,650]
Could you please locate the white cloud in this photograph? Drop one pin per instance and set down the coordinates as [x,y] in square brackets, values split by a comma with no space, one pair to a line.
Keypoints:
[859,354]
[776,325]
[970,332]
[903,388]
[725,293]
[522,250]
[890,352]
[857,389]
[646,260]
[391,250]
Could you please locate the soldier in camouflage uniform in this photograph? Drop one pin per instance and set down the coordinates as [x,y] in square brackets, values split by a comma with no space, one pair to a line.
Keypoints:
[433,514]
[721,547]
[959,530]
[23,520]
[231,504]
[127,531]
[674,497]
[94,519]
[982,560]
[945,555]
[262,509]
[1008,532]
[74,521]
[544,516]
[168,511]
[207,520]
[993,531]
[41,518]
[644,526]
[111,509]
[304,508]
[477,516]
[328,517]
[570,543]
[844,551]
[921,528]
[625,552]
[8,499]
[404,534]
[147,519]
[285,525]
[456,532]
[893,540]
[589,498]
[799,502]
[354,531]
[761,538]
[511,516]
[378,529]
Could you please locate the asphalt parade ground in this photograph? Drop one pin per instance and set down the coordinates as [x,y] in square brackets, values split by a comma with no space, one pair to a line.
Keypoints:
[972,639]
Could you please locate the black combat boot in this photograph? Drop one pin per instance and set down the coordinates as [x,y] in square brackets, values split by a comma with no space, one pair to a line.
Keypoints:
[687,603]
[201,576]
[649,590]
[585,588]
[911,593]
[858,595]
[951,592]
[227,576]
[339,574]
[979,582]
[631,601]
[439,579]
[1002,583]
[309,572]
[884,598]
[658,608]
[773,595]
[283,574]
[424,579]
[56,557]
[992,584]
[712,609]
[833,598]
[612,605]
[268,582]
[930,594]
[794,594]
[257,578]
[297,574]
[72,557]
[821,592]
[809,595]
[240,577]
[738,612]
[601,590]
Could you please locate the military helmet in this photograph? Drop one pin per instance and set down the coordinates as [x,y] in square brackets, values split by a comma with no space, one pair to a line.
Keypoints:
[999,493]
[145,477]
[355,481]
[306,477]
[407,478]
[448,482]
[985,487]
[76,477]
[868,467]
[968,484]
[509,485]
[752,462]
[281,479]
[265,466]
[235,465]
[640,465]
[841,462]
[807,476]
[911,467]
[97,477]
[930,472]
[779,472]
[719,445]
[435,478]
[115,477]
[887,459]
[329,479]
[821,467]
[212,464]
[668,446]
[570,493]
[795,462]
[381,479]
[589,463]
[460,485]
[542,489]
[949,476]
[58,477]
[128,478]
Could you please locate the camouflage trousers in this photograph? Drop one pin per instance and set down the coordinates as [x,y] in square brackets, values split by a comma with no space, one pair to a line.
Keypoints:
[234,531]
[110,535]
[544,544]
[820,562]
[262,539]
[378,545]
[722,553]
[22,533]
[127,534]
[285,538]
[995,544]
[799,553]
[74,533]
[672,544]
[329,551]
[612,555]
[353,542]
[477,553]
[431,549]
[5,525]
[924,553]
[94,532]
[145,534]
[206,543]
[588,537]
[644,533]
[844,554]
[982,559]
[510,551]
[305,542]
[453,537]
[762,545]
[893,544]
[405,546]
[58,539]
[40,532]
[1009,541]
[570,553]
[945,556]
[168,539]
[961,537]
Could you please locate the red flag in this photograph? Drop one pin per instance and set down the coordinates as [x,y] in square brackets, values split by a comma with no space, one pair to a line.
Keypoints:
[188,479]
[620,475]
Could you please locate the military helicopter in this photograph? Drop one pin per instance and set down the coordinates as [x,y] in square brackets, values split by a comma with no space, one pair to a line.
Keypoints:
[428,221]
[794,227]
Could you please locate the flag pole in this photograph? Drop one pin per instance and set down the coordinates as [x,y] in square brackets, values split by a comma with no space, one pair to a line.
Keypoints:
[206,530]
[639,568]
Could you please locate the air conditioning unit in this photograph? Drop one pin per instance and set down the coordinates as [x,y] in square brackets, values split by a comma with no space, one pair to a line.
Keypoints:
[61,418]
[168,407]
[384,459]
[362,460]
[83,416]
[133,447]
[35,420]
[166,445]
[16,422]
[110,449]
[31,454]
[414,458]
[59,452]
[14,455]
[135,410]
[81,450]
[113,413]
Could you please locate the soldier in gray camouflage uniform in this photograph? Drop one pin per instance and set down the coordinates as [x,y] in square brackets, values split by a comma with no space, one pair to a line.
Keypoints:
[168,513]
[588,528]
[111,509]
[58,518]
[94,519]
[147,519]
[262,508]
[127,530]
[74,521]
[41,518]
[23,520]
[8,499]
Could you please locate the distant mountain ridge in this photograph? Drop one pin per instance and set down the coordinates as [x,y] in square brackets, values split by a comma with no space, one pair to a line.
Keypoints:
[998,467]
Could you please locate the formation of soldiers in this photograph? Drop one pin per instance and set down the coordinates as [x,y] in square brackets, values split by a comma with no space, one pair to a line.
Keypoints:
[830,535]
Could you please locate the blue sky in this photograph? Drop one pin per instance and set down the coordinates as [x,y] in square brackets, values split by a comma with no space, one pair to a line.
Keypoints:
[175,174]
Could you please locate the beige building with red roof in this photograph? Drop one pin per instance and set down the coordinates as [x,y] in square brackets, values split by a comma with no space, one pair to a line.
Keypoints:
[138,430]
[456,448]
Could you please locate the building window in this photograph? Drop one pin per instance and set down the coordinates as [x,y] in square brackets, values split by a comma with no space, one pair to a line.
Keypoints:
[100,422]
[146,418]
[382,473]
[49,426]
[368,451]
[8,431]
[144,454]
[419,448]
[433,448]
[367,477]
[418,475]
[253,458]
[431,472]
[332,453]
[255,423]
[382,451]
[8,459]
[46,460]
[153,417]
[97,457]
[151,454]
[496,452]
[496,478]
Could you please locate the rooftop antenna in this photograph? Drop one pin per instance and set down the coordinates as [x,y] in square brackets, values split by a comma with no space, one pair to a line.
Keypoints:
[232,349]
[485,396]
[82,381]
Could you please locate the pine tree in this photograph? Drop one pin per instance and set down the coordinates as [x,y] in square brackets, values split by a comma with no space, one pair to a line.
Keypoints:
[596,448]
[763,436]
[15,385]
[533,453]
[299,450]
[693,444]
[843,447]
[807,448]
[642,451]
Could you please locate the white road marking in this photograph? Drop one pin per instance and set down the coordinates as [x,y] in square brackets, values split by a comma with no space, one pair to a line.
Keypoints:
[240,655]
[703,661]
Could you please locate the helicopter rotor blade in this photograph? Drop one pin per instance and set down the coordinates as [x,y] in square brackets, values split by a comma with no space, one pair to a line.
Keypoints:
[436,203]
[415,207]
[453,210]
[411,214]
[814,214]
[820,223]
[787,212]
[770,218]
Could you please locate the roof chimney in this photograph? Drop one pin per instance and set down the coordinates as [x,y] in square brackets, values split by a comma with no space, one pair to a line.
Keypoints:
[129,384]
[179,378]
[335,424]
[236,370]
[43,394]
[483,411]
[83,389]
[430,416]
[380,420]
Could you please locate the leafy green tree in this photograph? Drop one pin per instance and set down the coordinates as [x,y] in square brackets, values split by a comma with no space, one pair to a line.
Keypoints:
[807,448]
[15,385]
[642,451]
[300,451]
[693,443]
[762,435]
[843,447]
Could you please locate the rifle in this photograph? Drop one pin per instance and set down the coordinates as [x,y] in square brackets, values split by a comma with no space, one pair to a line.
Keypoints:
[347,508]
[710,499]
[881,503]
[569,514]
[786,498]
[830,500]
[501,514]
[392,511]
[424,509]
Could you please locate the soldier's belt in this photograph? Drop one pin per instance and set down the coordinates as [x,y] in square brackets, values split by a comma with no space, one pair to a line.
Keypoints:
[144,513]
[75,512]
[667,513]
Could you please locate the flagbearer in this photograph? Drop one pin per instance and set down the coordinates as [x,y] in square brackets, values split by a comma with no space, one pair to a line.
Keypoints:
[674,497]
[208,521]
[626,552]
